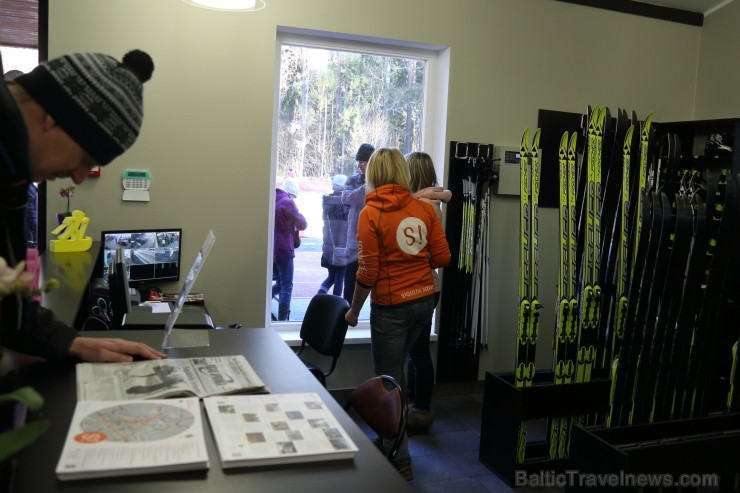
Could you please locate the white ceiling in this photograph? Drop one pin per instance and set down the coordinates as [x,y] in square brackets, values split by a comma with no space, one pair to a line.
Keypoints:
[705,7]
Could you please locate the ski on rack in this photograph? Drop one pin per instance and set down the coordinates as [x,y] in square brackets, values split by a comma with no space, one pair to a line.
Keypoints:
[669,305]
[641,392]
[479,252]
[590,295]
[565,342]
[631,338]
[622,280]
[464,275]
[641,182]
[529,305]
[706,215]
[613,167]
[585,308]
[637,252]
[706,351]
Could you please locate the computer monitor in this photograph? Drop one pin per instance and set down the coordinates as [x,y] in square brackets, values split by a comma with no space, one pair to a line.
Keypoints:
[120,296]
[150,254]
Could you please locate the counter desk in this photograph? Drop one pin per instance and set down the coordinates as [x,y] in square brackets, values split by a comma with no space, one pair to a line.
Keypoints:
[281,371]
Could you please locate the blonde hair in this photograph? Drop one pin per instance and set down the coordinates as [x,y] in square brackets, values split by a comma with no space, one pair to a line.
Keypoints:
[387,166]
[422,171]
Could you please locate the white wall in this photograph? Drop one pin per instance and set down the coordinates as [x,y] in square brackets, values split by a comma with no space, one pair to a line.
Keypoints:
[209,107]
[718,74]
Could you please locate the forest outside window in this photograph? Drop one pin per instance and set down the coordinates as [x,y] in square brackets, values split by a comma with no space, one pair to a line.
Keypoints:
[335,95]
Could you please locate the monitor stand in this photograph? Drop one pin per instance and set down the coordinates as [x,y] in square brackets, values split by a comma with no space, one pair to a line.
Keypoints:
[184,338]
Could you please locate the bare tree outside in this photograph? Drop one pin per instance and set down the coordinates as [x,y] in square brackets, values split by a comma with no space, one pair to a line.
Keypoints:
[332,101]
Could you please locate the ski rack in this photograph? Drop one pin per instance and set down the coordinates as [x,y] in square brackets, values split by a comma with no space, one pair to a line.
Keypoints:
[703,446]
[506,406]
[463,318]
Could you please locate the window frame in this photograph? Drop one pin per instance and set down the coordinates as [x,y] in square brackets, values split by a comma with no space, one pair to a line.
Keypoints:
[434,103]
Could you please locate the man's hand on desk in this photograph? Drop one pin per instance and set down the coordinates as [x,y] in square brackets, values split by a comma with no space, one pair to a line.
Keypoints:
[93,349]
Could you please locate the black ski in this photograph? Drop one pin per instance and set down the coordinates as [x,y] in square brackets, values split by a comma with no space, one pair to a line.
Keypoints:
[610,239]
[705,350]
[642,391]
[670,408]
[622,377]
[565,342]
[670,303]
[590,295]
[529,304]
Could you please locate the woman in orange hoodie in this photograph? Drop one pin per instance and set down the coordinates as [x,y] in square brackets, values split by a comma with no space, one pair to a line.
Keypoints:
[400,240]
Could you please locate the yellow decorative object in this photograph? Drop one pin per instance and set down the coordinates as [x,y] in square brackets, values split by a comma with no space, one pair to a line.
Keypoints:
[72,234]
[71,268]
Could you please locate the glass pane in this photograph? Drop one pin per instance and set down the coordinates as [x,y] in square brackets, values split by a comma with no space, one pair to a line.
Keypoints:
[332,101]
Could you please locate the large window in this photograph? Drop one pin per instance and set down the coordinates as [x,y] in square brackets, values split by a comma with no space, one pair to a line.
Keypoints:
[15,58]
[334,95]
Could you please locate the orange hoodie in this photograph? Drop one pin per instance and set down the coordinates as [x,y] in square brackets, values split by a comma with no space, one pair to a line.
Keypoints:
[400,241]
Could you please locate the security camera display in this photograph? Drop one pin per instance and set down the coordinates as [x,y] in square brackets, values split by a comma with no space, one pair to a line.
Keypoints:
[149,255]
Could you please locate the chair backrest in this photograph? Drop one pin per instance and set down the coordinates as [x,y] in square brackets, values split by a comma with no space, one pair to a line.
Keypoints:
[381,404]
[324,327]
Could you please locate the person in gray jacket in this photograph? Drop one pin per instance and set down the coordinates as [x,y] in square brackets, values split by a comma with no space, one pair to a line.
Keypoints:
[335,237]
[353,195]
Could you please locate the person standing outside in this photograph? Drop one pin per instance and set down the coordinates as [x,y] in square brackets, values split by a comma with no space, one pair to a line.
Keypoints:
[287,220]
[420,366]
[335,237]
[400,241]
[353,195]
[64,117]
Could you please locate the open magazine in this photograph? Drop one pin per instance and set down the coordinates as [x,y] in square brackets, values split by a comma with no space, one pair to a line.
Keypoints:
[133,437]
[260,430]
[159,379]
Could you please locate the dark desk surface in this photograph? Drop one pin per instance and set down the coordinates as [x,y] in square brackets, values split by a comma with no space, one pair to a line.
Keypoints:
[278,367]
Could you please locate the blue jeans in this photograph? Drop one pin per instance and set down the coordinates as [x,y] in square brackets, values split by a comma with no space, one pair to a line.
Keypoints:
[282,272]
[335,278]
[393,330]
[421,368]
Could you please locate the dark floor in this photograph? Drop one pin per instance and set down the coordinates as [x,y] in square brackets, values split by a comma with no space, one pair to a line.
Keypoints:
[445,460]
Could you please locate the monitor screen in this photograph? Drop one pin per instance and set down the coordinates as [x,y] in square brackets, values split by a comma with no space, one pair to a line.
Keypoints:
[150,254]
[120,296]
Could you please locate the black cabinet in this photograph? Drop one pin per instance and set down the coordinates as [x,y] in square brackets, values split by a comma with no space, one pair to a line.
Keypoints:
[693,137]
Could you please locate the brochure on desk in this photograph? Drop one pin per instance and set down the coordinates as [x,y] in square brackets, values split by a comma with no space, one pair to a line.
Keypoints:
[133,437]
[159,379]
[259,430]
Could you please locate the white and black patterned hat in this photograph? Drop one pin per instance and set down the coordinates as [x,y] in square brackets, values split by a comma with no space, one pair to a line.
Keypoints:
[94,98]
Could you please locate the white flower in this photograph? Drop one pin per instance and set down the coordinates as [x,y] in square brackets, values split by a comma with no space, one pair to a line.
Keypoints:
[18,280]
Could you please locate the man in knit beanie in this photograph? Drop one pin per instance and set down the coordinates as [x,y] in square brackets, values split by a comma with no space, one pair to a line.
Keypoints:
[58,121]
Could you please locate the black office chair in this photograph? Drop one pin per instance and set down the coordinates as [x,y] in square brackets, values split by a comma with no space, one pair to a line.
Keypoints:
[323,330]
[381,404]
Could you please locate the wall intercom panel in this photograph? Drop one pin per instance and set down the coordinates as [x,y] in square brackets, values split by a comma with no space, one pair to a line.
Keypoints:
[509,165]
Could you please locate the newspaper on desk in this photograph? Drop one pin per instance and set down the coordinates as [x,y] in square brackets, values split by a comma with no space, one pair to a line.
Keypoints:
[159,379]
